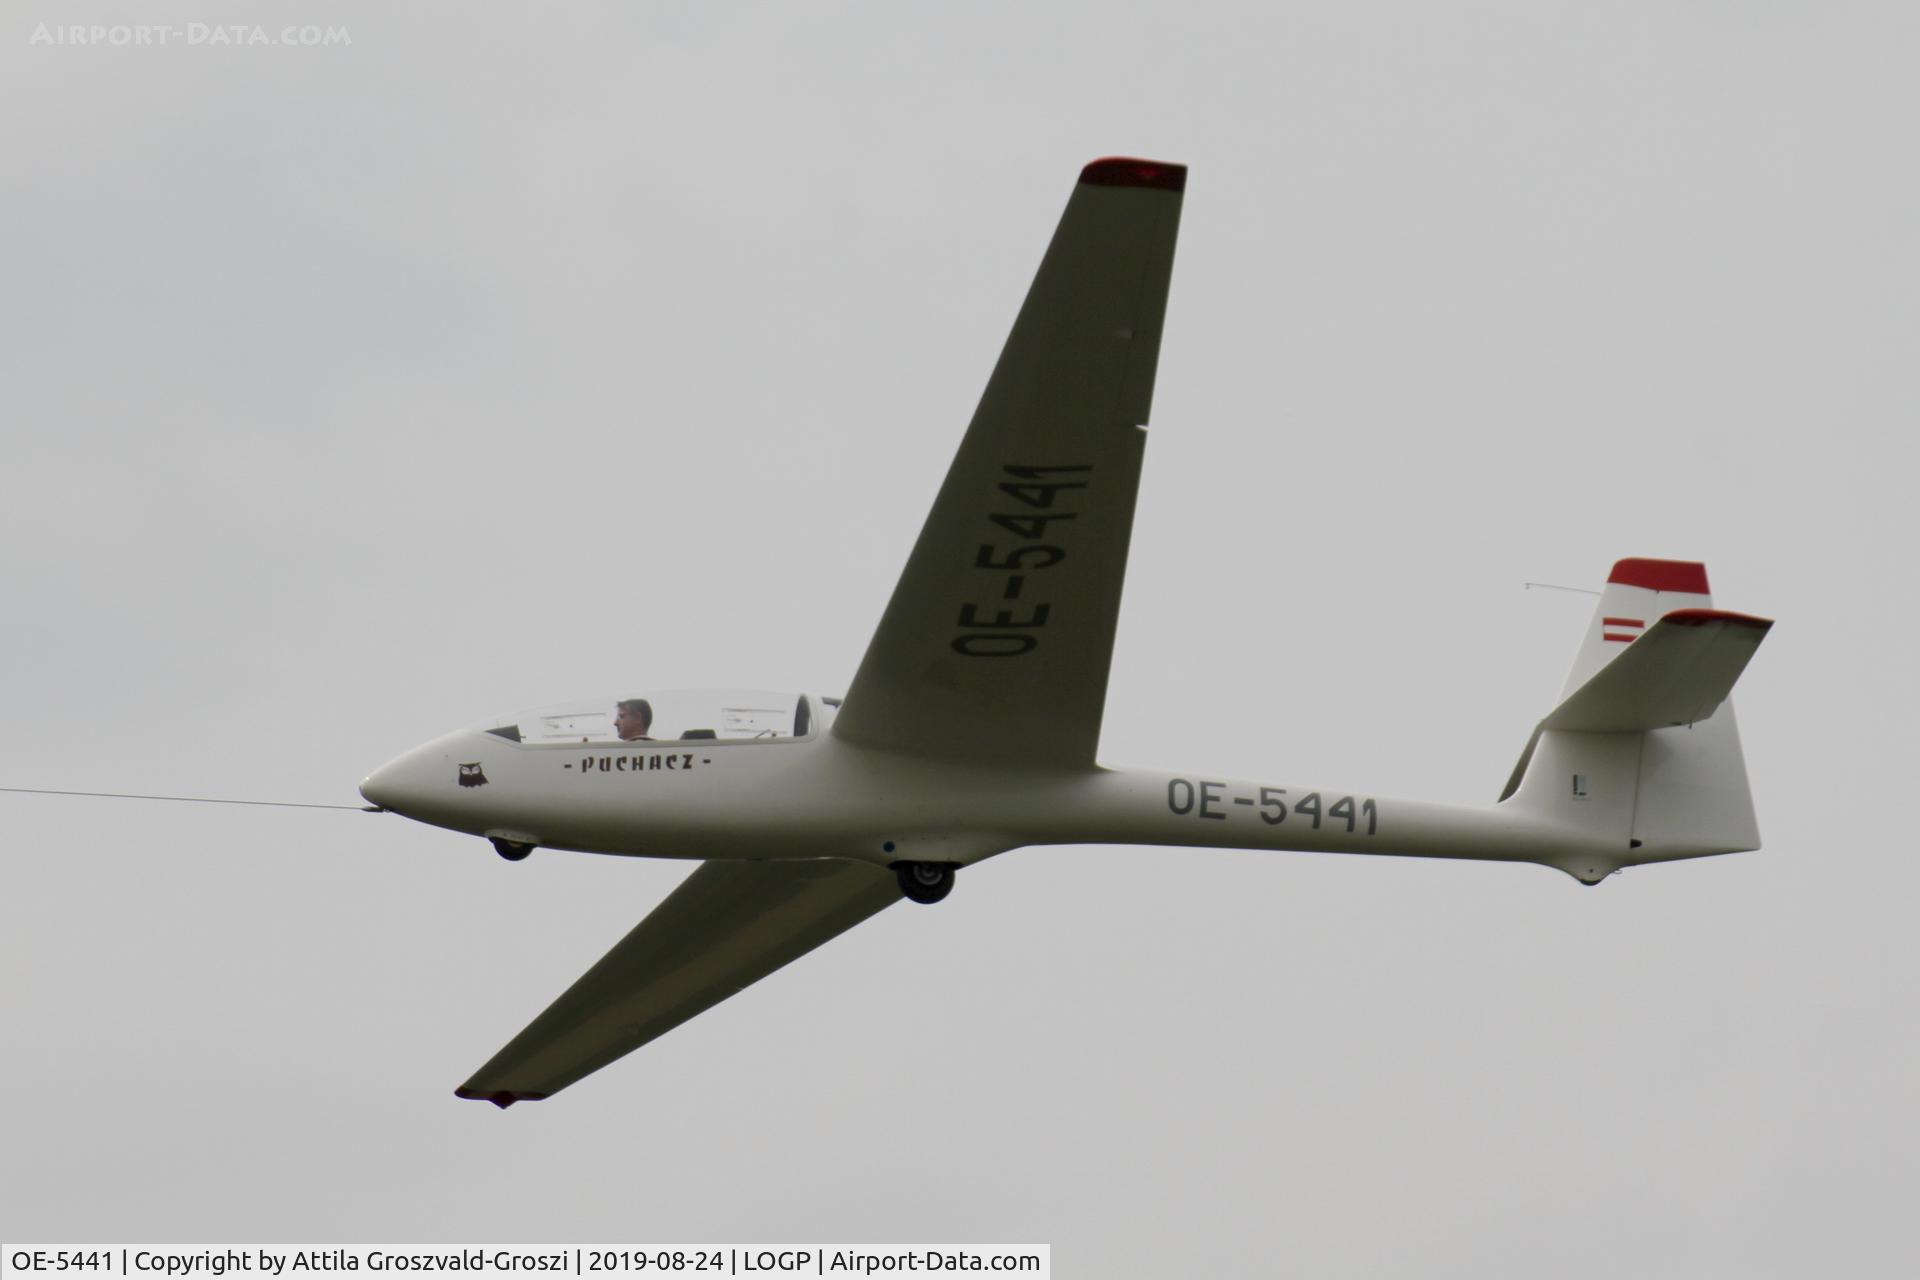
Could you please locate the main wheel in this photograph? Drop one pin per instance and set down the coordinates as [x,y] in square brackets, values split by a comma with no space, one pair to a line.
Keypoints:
[925,881]
[511,850]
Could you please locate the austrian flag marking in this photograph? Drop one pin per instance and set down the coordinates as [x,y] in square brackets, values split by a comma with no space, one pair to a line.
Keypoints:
[1624,630]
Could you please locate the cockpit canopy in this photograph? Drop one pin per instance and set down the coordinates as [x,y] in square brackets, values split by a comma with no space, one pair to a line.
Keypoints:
[670,715]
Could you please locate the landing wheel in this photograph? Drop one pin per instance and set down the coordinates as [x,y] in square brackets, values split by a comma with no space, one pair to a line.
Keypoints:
[511,850]
[925,881]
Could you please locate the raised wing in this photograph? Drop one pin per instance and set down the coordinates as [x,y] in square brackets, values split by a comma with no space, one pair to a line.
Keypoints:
[728,925]
[998,638]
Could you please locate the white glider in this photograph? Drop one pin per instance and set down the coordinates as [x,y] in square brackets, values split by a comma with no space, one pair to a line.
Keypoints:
[971,725]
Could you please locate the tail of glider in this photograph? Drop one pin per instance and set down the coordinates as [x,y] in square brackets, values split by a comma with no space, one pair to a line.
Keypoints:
[1643,749]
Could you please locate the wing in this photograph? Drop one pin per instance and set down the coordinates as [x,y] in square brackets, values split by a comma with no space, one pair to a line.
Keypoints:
[728,925]
[998,638]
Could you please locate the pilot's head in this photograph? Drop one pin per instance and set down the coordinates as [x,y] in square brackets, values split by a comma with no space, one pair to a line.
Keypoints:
[632,718]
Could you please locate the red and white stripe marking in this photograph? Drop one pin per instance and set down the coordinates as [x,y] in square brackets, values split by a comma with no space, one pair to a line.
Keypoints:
[1624,630]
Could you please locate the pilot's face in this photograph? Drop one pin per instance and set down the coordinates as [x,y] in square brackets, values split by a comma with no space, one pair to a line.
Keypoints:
[628,725]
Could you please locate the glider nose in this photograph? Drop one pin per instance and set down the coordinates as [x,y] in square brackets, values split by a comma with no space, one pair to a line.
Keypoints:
[441,783]
[401,785]
[378,788]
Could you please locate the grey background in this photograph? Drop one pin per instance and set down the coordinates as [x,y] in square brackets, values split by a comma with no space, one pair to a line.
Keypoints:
[350,395]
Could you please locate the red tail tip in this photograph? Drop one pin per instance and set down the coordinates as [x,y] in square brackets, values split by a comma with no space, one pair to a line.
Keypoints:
[1688,576]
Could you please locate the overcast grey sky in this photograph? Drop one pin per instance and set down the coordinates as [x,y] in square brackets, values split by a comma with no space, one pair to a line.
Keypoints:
[353,394]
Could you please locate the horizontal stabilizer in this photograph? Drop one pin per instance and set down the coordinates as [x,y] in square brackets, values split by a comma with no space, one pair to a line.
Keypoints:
[1678,672]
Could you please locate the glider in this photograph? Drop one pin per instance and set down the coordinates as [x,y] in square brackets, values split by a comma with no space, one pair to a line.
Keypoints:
[971,725]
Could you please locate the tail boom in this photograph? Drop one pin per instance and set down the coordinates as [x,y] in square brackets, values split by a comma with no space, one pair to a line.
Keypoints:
[1200,811]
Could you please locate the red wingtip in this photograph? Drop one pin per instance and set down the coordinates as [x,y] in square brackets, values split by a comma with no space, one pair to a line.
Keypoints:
[501,1098]
[1701,617]
[1688,576]
[1120,171]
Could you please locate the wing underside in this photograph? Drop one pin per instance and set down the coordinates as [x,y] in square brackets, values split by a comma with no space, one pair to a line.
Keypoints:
[1678,672]
[998,638]
[728,925]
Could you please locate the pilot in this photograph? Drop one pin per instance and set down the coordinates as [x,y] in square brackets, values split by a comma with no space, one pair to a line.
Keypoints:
[632,718]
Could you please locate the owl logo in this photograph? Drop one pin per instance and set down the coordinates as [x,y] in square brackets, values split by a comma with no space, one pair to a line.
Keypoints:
[472,776]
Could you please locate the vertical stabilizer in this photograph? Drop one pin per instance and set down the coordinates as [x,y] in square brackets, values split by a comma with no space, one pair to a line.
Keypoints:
[1643,755]
[1638,594]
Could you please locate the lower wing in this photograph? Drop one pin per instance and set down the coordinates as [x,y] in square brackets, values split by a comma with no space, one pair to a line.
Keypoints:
[728,925]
